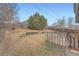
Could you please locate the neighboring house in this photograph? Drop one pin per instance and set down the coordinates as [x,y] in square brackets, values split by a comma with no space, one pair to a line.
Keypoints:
[76,11]
[10,25]
[25,24]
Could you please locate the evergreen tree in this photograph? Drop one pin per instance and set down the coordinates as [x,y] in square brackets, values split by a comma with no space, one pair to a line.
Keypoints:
[37,22]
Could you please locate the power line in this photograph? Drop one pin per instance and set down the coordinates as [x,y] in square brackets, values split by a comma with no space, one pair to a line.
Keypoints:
[51,11]
[57,17]
[43,11]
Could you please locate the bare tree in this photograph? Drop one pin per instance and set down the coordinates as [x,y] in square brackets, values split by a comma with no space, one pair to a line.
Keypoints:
[8,11]
[60,23]
[70,21]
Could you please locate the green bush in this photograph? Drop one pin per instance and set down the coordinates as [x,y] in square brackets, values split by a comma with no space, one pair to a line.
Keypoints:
[37,22]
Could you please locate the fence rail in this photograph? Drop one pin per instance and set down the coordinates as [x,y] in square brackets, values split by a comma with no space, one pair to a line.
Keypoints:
[64,37]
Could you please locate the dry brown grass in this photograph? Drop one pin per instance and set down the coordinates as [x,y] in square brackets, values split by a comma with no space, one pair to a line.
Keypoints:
[16,44]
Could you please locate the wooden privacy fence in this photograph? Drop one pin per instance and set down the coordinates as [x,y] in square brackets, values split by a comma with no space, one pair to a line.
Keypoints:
[64,37]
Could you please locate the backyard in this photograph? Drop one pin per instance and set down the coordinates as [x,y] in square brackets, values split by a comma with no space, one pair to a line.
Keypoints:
[29,42]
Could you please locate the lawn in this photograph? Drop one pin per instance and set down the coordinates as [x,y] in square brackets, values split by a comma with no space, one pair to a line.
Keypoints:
[50,49]
[17,43]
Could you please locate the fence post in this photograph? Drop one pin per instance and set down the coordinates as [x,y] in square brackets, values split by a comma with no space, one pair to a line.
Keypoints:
[47,35]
